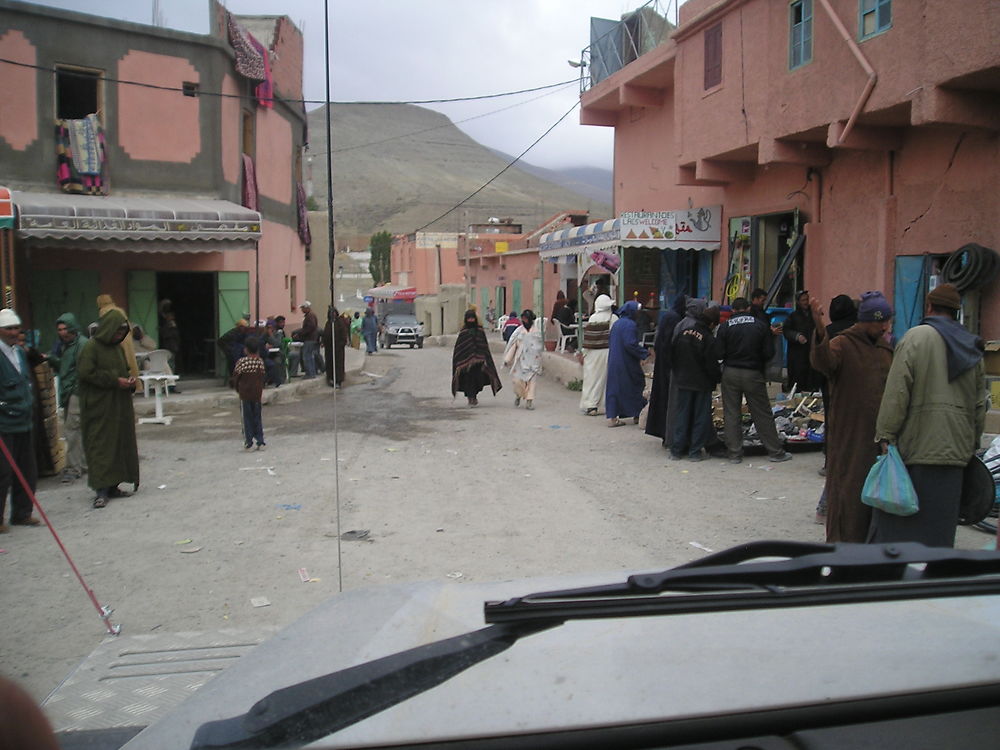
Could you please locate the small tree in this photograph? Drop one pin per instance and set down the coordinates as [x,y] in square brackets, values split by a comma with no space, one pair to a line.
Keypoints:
[379,267]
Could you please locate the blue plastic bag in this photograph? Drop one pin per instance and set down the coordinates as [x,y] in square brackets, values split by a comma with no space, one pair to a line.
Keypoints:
[888,486]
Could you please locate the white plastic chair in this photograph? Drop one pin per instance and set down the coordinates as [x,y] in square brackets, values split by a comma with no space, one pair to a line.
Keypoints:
[157,363]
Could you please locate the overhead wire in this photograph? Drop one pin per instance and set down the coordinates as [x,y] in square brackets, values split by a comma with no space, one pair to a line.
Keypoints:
[510,164]
[182,90]
[448,124]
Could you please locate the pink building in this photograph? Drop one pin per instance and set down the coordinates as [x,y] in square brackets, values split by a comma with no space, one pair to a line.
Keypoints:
[851,144]
[173,172]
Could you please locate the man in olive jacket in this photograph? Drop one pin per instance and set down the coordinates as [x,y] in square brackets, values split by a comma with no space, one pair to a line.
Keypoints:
[934,411]
[16,403]
[63,357]
[107,418]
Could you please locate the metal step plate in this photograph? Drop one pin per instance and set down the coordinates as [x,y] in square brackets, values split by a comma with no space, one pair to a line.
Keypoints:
[134,680]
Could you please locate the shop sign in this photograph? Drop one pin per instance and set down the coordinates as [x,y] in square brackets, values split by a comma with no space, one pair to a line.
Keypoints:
[647,225]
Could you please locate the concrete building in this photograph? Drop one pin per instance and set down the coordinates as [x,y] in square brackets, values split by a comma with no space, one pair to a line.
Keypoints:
[174,171]
[850,144]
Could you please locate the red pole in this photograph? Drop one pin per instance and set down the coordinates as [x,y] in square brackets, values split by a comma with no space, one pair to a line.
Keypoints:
[103,612]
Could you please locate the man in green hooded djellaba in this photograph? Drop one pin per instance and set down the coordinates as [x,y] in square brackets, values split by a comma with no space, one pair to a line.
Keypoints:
[106,415]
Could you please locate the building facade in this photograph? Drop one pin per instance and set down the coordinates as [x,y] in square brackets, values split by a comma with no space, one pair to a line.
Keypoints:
[153,164]
[851,144]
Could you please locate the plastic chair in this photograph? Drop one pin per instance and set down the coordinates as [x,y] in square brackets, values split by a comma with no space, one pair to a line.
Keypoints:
[157,363]
[566,336]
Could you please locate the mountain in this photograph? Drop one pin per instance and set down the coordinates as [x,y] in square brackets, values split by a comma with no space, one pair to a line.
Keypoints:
[592,182]
[399,167]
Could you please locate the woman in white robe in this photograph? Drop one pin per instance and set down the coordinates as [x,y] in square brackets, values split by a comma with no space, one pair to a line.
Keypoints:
[596,335]
[523,356]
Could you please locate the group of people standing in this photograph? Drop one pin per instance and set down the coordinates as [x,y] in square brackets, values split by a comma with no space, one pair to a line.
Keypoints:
[926,395]
[96,380]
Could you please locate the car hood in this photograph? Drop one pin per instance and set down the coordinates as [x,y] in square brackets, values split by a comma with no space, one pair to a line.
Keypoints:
[607,672]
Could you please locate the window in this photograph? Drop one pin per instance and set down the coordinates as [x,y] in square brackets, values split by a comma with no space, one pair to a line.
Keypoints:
[78,93]
[189,88]
[875,17]
[293,293]
[713,56]
[800,39]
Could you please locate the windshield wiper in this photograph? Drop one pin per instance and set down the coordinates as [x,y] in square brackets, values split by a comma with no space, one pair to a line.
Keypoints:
[312,709]
[806,575]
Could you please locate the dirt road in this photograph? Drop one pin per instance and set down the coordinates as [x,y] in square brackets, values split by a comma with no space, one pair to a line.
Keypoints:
[433,488]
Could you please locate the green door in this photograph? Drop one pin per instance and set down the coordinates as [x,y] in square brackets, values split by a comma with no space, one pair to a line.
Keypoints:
[502,301]
[142,302]
[485,294]
[516,295]
[234,303]
[56,292]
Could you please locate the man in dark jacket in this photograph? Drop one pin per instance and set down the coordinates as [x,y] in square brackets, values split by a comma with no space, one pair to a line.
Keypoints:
[63,357]
[745,346]
[695,370]
[15,424]
[308,334]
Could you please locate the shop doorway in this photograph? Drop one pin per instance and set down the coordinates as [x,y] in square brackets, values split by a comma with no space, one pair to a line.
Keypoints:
[193,297]
[773,238]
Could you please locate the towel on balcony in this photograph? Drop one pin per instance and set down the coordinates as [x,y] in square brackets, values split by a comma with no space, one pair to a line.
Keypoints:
[81,157]
[86,149]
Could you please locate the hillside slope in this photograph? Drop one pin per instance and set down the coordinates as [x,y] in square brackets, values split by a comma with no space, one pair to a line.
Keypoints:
[397,167]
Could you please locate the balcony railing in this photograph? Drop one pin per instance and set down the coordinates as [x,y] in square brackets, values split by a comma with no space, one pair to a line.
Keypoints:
[614,44]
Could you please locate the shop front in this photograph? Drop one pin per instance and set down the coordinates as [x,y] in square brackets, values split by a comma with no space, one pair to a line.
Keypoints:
[649,256]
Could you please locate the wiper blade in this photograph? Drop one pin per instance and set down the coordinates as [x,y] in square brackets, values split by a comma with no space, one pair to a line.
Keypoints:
[808,575]
[301,713]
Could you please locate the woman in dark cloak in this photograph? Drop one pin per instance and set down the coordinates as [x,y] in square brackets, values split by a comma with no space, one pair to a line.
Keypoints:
[336,332]
[659,394]
[472,367]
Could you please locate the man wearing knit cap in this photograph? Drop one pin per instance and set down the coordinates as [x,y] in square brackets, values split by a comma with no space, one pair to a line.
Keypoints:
[16,402]
[856,363]
[933,411]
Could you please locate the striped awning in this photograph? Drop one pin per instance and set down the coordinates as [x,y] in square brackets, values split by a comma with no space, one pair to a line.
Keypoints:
[142,224]
[608,236]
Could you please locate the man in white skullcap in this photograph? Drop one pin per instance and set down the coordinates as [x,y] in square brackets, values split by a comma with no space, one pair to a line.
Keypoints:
[16,403]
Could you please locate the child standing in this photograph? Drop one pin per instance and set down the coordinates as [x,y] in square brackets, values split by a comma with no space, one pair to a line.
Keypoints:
[248,380]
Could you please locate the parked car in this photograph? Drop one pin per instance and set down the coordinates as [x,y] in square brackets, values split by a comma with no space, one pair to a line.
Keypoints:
[398,328]
[769,644]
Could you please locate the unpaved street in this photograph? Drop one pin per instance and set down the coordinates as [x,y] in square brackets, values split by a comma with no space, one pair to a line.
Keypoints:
[443,492]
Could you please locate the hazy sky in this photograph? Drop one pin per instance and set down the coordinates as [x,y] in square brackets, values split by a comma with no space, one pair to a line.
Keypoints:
[405,50]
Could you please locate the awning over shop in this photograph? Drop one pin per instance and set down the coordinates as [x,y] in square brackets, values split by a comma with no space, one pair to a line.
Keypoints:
[696,229]
[135,224]
[393,292]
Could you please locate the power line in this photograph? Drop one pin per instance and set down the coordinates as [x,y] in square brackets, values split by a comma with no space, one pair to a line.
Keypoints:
[509,165]
[448,124]
[221,95]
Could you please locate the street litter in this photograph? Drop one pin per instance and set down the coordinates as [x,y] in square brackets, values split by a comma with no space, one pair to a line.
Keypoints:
[221,414]
[765,468]
[162,487]
[260,601]
[326,459]
[271,471]
[701,547]
[454,574]
[391,450]
[371,374]
[190,550]
[254,468]
[356,535]
[184,541]
[288,506]
[303,575]
[438,529]
[558,426]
